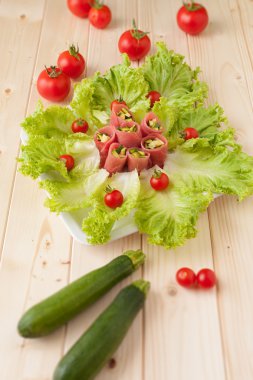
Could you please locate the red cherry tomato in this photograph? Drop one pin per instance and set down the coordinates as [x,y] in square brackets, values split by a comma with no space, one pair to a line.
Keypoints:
[119,101]
[100,15]
[80,8]
[159,180]
[53,84]
[190,133]
[69,161]
[80,125]
[135,43]
[192,18]
[71,62]
[153,96]
[206,278]
[113,198]
[186,277]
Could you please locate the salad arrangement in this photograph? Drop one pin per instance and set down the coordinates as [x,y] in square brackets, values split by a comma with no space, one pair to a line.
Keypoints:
[202,157]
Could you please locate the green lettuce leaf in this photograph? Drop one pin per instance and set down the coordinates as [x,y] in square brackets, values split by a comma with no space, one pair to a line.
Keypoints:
[74,195]
[169,217]
[167,73]
[219,170]
[101,219]
[55,121]
[93,97]
[41,156]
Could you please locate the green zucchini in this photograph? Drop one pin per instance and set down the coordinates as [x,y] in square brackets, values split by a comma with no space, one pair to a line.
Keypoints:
[97,345]
[62,306]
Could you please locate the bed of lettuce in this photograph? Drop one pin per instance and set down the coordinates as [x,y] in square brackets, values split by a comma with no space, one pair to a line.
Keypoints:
[198,168]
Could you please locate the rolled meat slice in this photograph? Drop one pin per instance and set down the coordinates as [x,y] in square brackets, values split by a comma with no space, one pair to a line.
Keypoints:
[137,159]
[129,134]
[116,158]
[151,125]
[157,146]
[120,114]
[103,138]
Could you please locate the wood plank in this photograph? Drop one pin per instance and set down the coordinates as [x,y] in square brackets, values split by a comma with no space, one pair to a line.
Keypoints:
[178,323]
[20,31]
[37,247]
[230,72]
[103,53]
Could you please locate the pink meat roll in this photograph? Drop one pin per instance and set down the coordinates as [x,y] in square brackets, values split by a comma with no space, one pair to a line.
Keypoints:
[127,137]
[147,129]
[137,159]
[103,146]
[158,152]
[120,114]
[115,163]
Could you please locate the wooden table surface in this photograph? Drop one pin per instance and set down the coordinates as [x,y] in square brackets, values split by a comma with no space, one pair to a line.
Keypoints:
[181,334]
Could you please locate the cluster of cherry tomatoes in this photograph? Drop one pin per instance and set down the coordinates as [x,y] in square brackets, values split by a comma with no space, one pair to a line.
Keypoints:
[54,82]
[205,278]
[99,14]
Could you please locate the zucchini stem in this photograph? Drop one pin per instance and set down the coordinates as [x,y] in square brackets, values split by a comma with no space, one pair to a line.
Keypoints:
[142,285]
[137,258]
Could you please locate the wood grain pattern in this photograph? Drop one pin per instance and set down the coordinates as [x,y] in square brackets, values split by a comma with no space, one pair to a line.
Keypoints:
[20,24]
[181,334]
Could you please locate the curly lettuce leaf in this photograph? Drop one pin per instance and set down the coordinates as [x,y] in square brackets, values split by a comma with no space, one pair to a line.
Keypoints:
[93,97]
[55,121]
[167,73]
[101,219]
[169,217]
[74,195]
[41,156]
[219,170]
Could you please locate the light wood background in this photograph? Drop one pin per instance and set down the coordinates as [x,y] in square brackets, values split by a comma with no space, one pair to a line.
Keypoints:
[181,334]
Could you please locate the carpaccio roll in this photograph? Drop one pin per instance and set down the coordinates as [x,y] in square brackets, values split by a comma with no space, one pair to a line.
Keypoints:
[129,134]
[116,158]
[137,159]
[151,125]
[103,138]
[120,113]
[157,146]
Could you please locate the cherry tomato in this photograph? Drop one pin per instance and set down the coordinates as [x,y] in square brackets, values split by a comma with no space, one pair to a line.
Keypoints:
[192,18]
[119,101]
[135,43]
[69,161]
[100,15]
[80,125]
[153,96]
[190,133]
[71,62]
[159,180]
[53,84]
[80,8]
[186,277]
[206,278]
[113,198]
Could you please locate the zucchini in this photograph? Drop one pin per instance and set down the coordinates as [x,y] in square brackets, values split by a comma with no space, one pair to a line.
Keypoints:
[97,345]
[55,311]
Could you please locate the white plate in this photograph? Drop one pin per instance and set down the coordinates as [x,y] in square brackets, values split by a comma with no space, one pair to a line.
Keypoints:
[73,220]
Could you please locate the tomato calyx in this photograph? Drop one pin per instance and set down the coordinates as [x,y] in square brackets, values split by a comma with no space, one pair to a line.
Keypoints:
[74,51]
[98,4]
[52,71]
[80,122]
[191,6]
[138,35]
[120,99]
[109,189]
[157,173]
